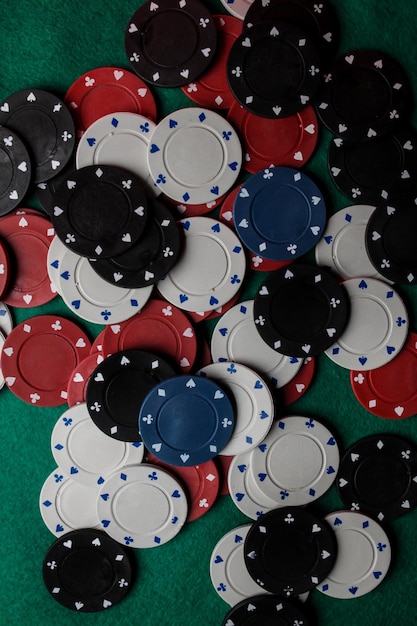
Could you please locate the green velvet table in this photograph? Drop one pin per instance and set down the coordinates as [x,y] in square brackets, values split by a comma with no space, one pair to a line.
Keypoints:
[48,44]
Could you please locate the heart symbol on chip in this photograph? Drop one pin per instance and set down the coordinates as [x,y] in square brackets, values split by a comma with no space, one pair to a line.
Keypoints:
[263,291]
[55,164]
[133,28]
[243,193]
[315,230]
[23,167]
[218,395]
[99,377]
[67,544]
[371,133]
[335,171]
[118,74]
[79,605]
[206,52]
[78,378]
[246,43]
[5,108]
[349,59]
[188,332]
[157,447]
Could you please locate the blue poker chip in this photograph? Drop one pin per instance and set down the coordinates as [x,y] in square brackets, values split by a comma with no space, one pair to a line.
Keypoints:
[186,420]
[279,213]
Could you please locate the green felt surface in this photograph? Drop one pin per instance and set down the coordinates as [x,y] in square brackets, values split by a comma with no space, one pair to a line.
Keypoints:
[48,44]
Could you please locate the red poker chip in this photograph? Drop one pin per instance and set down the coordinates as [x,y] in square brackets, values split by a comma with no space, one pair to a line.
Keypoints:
[97,345]
[287,141]
[78,380]
[160,327]
[390,391]
[201,482]
[38,357]
[192,210]
[297,387]
[107,90]
[27,235]
[223,462]
[5,269]
[211,89]
[257,263]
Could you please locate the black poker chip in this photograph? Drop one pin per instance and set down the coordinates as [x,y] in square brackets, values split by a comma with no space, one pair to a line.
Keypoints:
[266,610]
[170,43]
[100,210]
[117,388]
[273,69]
[378,476]
[365,95]
[289,551]
[318,20]
[45,125]
[45,190]
[391,236]
[379,169]
[15,170]
[87,571]
[150,258]
[301,310]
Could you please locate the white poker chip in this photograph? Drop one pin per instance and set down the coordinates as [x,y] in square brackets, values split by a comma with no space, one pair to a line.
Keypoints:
[55,252]
[238,8]
[209,271]
[88,295]
[235,338]
[363,556]
[194,155]
[342,247]
[66,504]
[247,499]
[120,139]
[253,402]
[6,319]
[377,326]
[142,506]
[297,462]
[85,453]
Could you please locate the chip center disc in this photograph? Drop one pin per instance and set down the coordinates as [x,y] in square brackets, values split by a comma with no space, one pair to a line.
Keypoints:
[356,86]
[129,387]
[86,573]
[289,554]
[402,379]
[144,334]
[370,315]
[266,137]
[273,72]
[194,156]
[141,508]
[170,38]
[187,422]
[123,149]
[30,250]
[96,291]
[38,129]
[355,557]
[399,237]
[269,208]
[75,505]
[381,481]
[291,311]
[93,451]
[46,361]
[280,461]
[348,249]
[378,161]
[245,345]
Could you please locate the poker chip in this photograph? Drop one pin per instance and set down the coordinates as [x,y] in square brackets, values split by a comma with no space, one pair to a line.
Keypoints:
[365,95]
[223,463]
[45,191]
[318,22]
[289,551]
[105,90]
[279,213]
[211,89]
[297,387]
[253,402]
[84,452]
[150,258]
[77,384]
[288,141]
[66,504]
[38,357]
[266,609]
[15,170]
[201,483]
[6,319]
[363,556]
[297,461]
[121,140]
[342,247]
[88,295]
[97,345]
[142,506]
[257,69]
[159,327]
[192,210]
[189,35]
[5,274]
[377,327]
[100,211]
[301,310]
[228,572]
[380,169]
[87,571]
[194,155]
[27,237]
[378,476]
[235,338]
[390,391]
[117,388]
[238,8]
[244,491]
[390,239]
[210,270]
[44,124]
[186,420]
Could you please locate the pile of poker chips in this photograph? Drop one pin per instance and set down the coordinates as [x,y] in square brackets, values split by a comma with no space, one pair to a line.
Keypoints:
[402,317]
